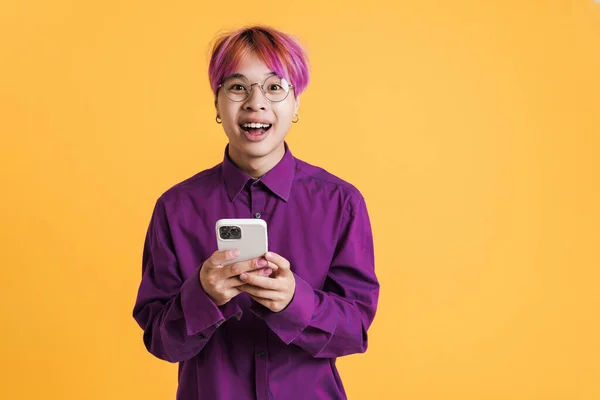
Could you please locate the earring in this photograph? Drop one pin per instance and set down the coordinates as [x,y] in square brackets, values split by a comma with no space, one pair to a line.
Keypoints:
[218,119]
[295,121]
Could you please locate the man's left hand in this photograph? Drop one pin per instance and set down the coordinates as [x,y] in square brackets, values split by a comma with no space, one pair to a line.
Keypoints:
[276,291]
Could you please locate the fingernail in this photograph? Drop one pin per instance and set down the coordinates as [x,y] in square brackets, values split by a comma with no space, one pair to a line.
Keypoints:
[269,255]
[268,271]
[234,253]
[261,262]
[243,276]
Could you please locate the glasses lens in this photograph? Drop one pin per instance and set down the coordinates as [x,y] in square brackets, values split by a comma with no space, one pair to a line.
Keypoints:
[236,89]
[276,88]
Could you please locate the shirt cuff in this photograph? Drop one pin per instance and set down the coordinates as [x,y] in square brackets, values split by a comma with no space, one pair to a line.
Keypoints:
[199,310]
[231,309]
[292,320]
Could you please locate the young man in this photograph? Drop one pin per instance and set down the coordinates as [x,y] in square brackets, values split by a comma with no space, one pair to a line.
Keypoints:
[269,328]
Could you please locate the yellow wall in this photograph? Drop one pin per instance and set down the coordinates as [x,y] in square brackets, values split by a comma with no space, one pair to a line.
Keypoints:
[471,128]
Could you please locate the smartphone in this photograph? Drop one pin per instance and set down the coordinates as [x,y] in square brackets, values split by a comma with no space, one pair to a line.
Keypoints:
[248,235]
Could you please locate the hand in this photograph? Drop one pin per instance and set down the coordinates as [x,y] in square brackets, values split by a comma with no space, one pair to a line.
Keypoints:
[222,283]
[275,292]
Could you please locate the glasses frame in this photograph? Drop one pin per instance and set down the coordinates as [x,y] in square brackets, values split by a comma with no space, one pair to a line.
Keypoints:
[260,85]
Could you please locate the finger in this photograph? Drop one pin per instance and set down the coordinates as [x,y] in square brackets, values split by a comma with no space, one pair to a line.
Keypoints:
[244,266]
[219,257]
[236,268]
[263,271]
[261,281]
[235,281]
[256,291]
[275,258]
[271,265]
[257,298]
[265,302]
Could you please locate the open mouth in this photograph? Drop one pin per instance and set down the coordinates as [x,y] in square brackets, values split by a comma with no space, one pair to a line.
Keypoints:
[255,128]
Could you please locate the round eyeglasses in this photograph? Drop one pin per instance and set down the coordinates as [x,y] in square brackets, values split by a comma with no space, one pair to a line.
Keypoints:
[274,88]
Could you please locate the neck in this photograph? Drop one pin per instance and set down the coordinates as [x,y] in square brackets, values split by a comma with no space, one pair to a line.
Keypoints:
[256,167]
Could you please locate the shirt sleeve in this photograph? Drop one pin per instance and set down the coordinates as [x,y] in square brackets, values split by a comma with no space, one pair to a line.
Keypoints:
[333,322]
[177,315]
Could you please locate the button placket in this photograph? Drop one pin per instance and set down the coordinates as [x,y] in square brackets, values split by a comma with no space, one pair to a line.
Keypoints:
[257,200]
[260,331]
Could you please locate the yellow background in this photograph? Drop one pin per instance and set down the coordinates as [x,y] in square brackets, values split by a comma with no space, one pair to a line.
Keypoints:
[471,128]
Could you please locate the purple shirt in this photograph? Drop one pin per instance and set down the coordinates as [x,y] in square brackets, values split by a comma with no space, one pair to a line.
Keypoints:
[242,350]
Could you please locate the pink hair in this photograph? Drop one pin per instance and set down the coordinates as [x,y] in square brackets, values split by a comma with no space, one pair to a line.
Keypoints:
[279,51]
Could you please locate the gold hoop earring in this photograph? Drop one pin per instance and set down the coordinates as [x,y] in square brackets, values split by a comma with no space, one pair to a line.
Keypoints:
[218,119]
[295,121]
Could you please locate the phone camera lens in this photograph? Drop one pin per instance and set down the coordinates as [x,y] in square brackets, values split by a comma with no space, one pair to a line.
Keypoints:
[230,232]
[224,232]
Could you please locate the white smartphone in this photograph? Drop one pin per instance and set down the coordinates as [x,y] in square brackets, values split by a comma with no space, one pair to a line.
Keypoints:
[248,235]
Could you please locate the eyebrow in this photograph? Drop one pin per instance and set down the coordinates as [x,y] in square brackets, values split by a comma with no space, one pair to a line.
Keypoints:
[238,75]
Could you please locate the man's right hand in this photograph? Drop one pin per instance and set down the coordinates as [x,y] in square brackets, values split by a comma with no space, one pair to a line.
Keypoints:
[221,282]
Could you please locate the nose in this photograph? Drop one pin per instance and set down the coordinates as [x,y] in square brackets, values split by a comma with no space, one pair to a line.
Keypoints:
[256,100]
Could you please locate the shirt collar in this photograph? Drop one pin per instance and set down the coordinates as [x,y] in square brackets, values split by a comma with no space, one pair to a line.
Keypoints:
[279,179]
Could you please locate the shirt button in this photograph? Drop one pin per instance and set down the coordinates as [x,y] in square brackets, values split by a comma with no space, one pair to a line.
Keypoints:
[257,215]
[261,353]
[202,337]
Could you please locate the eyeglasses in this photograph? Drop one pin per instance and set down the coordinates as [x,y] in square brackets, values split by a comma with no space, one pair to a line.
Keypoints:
[274,88]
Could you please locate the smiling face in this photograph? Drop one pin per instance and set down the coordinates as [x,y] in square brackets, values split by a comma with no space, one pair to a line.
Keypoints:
[250,142]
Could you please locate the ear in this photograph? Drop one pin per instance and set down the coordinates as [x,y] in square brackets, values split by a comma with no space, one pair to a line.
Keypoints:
[296,104]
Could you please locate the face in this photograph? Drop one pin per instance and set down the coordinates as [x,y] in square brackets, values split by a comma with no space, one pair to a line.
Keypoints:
[245,143]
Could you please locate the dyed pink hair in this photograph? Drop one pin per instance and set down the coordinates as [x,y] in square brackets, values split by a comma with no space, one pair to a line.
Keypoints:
[279,51]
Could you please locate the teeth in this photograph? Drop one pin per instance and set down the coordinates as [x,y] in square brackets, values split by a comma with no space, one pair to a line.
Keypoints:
[255,125]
